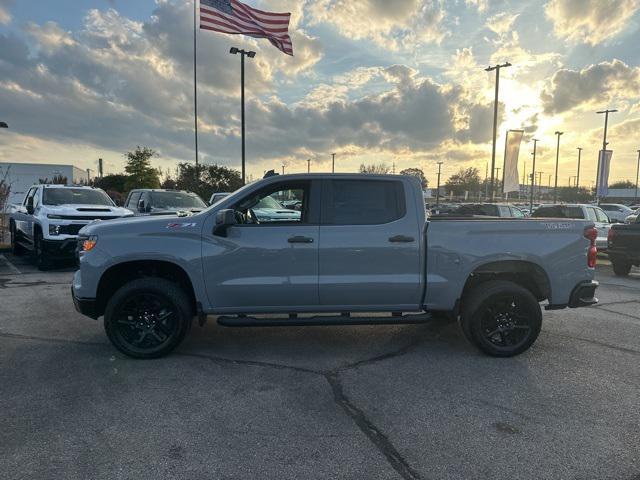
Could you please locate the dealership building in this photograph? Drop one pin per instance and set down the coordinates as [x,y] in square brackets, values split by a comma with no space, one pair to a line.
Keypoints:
[21,176]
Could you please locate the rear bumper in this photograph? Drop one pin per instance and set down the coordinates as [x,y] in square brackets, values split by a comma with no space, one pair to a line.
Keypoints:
[584,294]
[86,306]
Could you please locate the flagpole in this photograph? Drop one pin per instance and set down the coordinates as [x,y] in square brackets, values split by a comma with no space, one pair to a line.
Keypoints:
[195,76]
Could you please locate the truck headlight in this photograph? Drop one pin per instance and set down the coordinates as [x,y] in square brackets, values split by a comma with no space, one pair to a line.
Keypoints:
[54,229]
[88,243]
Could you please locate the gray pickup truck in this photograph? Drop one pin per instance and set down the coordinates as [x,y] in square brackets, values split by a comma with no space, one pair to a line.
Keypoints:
[360,245]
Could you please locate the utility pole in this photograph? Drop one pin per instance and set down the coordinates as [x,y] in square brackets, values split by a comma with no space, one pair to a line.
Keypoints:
[438,189]
[497,177]
[533,175]
[235,51]
[604,146]
[578,174]
[495,120]
[486,178]
[555,189]
[283,168]
[333,163]
[308,165]
[393,169]
[637,172]
[100,168]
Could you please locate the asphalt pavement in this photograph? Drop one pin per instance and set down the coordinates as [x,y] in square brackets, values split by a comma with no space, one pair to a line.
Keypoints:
[384,402]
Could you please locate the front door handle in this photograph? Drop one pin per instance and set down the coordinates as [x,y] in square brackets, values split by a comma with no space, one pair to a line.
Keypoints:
[300,239]
[401,239]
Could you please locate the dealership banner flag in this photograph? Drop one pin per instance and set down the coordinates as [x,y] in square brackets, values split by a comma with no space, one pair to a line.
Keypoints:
[511,179]
[604,164]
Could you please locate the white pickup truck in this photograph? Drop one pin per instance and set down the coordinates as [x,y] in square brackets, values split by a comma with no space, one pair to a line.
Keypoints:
[49,218]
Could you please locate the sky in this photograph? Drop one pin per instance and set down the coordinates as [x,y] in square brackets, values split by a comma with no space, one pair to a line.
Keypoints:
[375,81]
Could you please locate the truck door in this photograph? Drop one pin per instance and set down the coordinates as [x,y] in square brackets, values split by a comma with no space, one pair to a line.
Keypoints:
[269,261]
[24,221]
[369,246]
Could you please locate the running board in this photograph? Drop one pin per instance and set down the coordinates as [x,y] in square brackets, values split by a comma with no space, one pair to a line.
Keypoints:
[338,320]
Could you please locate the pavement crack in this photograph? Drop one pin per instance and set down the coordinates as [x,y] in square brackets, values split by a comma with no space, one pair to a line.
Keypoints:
[251,363]
[601,344]
[619,313]
[51,340]
[372,432]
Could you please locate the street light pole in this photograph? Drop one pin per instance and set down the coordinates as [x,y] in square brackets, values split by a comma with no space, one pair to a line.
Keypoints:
[533,175]
[235,51]
[555,188]
[333,163]
[308,165]
[604,146]
[438,189]
[637,172]
[578,174]
[495,120]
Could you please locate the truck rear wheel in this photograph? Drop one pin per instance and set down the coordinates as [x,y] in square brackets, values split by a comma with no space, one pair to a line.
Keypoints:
[148,317]
[621,268]
[501,318]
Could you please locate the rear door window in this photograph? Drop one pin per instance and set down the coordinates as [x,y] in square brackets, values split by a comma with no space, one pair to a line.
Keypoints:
[133,200]
[591,214]
[601,216]
[363,202]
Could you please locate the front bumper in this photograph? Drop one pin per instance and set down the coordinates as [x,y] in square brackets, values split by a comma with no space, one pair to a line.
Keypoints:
[86,306]
[60,249]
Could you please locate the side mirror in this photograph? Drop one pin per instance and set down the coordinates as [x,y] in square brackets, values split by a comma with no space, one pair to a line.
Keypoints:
[30,206]
[224,219]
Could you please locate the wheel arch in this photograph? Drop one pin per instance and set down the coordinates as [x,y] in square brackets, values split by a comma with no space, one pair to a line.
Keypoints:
[121,273]
[527,274]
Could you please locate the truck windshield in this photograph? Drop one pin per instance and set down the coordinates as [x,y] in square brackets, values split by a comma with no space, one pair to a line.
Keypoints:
[269,202]
[75,196]
[176,200]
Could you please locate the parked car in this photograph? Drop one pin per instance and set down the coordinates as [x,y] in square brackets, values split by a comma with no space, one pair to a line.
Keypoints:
[633,216]
[624,247]
[216,197]
[580,212]
[163,202]
[49,218]
[488,209]
[616,211]
[365,247]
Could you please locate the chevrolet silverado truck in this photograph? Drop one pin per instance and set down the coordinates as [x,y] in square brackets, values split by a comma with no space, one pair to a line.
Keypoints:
[361,246]
[624,247]
[49,218]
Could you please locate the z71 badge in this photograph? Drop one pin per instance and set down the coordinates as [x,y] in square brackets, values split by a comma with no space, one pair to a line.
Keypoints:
[181,225]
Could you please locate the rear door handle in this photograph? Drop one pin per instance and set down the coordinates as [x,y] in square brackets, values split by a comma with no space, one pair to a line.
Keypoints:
[401,239]
[300,239]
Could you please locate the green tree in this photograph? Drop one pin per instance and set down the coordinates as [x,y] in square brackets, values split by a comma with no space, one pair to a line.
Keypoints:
[416,172]
[623,184]
[207,179]
[380,168]
[116,182]
[465,180]
[139,170]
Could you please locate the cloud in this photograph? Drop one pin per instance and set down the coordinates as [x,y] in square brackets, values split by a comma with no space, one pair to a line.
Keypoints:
[388,24]
[501,23]
[480,5]
[5,16]
[590,21]
[591,87]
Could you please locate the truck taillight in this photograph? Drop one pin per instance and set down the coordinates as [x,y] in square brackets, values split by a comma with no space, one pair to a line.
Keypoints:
[591,234]
[610,235]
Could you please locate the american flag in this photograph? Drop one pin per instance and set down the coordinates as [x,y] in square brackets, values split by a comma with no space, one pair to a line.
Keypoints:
[231,16]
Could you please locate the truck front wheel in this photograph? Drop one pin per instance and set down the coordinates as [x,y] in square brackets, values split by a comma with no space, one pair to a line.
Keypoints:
[148,317]
[501,318]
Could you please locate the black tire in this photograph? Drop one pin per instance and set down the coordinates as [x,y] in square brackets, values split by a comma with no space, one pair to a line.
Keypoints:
[148,317]
[42,262]
[16,248]
[621,268]
[501,318]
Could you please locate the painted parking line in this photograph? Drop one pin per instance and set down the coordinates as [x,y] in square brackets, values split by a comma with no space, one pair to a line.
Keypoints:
[11,266]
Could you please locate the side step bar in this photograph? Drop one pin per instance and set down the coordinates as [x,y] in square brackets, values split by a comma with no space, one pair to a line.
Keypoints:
[337,320]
